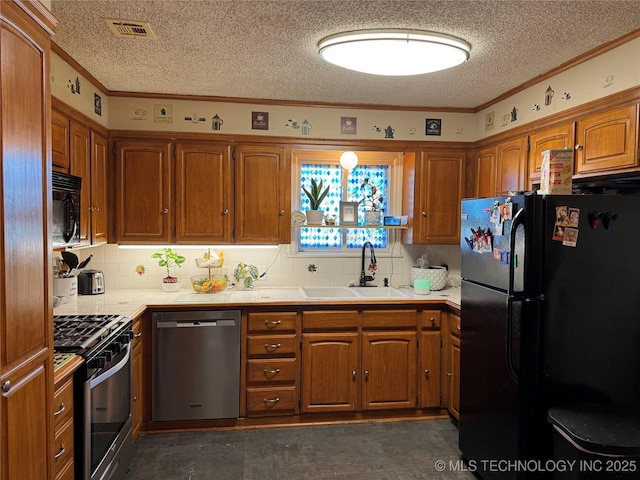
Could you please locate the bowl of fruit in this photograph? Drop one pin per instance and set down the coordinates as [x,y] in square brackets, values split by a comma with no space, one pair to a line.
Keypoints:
[209,284]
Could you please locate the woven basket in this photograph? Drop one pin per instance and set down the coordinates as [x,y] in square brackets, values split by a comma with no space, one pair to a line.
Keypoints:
[438,276]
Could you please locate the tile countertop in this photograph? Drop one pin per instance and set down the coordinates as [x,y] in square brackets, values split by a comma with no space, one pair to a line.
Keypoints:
[133,302]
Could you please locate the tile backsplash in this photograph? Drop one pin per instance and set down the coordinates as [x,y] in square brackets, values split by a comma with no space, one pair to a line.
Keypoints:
[134,268]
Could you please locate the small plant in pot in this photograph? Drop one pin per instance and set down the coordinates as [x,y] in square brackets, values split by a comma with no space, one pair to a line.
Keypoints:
[316,194]
[245,275]
[168,258]
[372,202]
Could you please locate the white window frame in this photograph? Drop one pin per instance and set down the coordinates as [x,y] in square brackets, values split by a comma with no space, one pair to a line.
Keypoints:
[393,202]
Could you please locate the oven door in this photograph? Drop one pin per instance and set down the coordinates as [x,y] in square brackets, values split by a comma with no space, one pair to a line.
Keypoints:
[108,418]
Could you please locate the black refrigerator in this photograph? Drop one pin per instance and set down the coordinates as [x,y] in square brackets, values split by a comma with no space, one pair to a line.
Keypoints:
[550,312]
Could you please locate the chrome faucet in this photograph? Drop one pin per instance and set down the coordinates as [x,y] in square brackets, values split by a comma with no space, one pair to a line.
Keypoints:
[364,278]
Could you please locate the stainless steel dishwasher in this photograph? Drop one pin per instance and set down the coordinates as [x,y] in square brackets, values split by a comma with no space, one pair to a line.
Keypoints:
[196,365]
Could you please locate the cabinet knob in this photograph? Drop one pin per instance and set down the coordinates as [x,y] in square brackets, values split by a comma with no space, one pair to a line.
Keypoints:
[424,214]
[366,374]
[282,213]
[95,209]
[353,374]
[578,147]
[426,373]
[135,399]
[448,374]
[165,211]
[225,211]
[433,321]
[6,386]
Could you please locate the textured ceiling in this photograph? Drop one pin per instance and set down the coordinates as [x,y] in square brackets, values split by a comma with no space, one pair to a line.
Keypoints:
[267,49]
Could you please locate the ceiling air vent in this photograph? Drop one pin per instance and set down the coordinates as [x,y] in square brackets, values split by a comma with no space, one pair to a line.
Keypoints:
[129,28]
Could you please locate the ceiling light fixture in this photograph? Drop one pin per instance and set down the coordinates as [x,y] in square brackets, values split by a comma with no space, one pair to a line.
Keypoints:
[394,52]
[348,160]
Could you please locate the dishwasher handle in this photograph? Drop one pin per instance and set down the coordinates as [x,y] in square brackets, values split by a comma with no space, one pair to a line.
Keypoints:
[195,323]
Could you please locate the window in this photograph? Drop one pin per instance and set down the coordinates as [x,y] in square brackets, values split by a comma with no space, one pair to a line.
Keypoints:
[374,169]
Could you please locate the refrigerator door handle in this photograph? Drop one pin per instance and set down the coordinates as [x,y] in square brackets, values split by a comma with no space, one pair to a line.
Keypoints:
[518,219]
[514,317]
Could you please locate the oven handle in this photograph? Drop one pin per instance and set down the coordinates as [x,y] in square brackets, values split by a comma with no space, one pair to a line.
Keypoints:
[113,370]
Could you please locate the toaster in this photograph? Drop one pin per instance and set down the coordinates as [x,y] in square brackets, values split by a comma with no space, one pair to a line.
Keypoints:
[90,282]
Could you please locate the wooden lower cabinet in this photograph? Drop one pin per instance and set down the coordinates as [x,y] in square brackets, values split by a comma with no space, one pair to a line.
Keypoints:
[430,352]
[272,368]
[137,380]
[63,450]
[349,371]
[330,372]
[452,356]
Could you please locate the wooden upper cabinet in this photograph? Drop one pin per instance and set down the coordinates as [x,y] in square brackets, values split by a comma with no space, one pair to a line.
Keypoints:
[144,180]
[99,206]
[431,197]
[557,137]
[203,193]
[81,167]
[607,141]
[511,162]
[486,172]
[60,126]
[262,194]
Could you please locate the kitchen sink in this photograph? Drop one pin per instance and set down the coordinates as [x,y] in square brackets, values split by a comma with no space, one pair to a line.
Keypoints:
[351,292]
[327,292]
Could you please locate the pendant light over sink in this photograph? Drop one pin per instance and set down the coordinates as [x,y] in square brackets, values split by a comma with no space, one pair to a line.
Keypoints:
[348,160]
[394,52]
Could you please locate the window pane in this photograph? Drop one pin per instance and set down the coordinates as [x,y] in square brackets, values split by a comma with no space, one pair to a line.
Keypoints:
[330,175]
[371,176]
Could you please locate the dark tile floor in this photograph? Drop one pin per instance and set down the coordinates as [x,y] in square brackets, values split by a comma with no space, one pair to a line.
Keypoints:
[403,450]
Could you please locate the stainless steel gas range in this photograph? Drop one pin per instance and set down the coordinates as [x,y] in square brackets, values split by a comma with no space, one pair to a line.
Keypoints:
[102,391]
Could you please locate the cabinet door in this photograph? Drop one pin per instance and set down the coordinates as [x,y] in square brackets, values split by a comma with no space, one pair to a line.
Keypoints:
[60,155]
[25,421]
[389,369]
[486,173]
[144,180]
[454,377]
[557,137]
[81,167]
[330,372]
[203,193]
[435,181]
[511,164]
[430,366]
[608,140]
[99,205]
[262,195]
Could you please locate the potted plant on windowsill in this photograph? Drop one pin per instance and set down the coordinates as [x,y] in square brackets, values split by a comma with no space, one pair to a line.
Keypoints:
[372,201]
[316,194]
[168,258]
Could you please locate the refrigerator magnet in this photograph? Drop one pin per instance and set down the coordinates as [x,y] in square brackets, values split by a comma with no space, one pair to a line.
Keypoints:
[570,237]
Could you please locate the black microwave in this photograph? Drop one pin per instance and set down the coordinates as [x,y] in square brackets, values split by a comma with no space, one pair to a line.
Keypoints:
[65,209]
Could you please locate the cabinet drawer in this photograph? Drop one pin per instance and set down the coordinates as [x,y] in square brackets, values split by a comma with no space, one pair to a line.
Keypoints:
[454,324]
[271,401]
[63,403]
[388,318]
[330,320]
[431,318]
[63,446]
[271,346]
[271,370]
[272,322]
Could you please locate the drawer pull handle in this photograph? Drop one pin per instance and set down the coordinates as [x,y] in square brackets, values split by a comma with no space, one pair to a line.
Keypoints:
[137,335]
[271,373]
[60,410]
[271,401]
[273,347]
[61,451]
[458,327]
[272,323]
